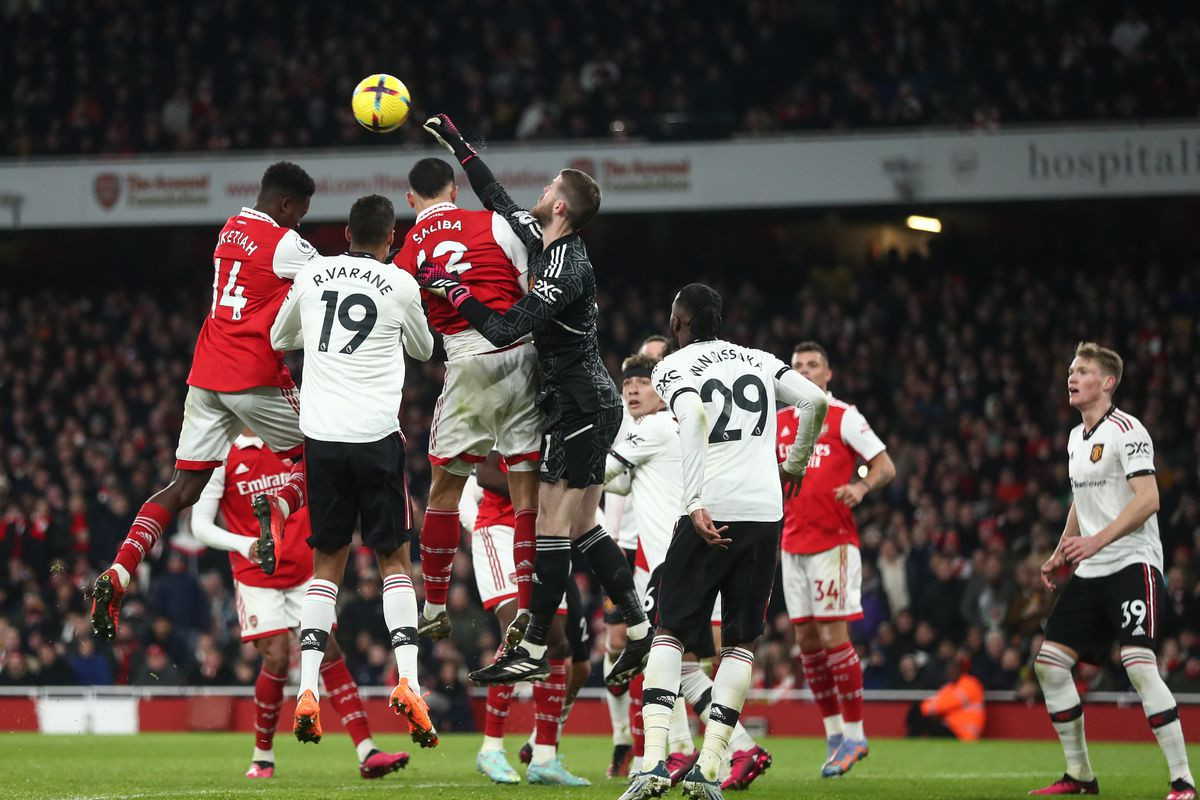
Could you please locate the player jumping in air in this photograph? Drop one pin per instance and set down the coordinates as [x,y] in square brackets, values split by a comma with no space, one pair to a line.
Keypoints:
[649,454]
[1111,541]
[488,400]
[822,568]
[727,542]
[581,405]
[269,605]
[352,314]
[237,380]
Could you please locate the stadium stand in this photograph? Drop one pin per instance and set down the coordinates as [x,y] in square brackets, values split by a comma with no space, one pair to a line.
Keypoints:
[970,400]
[222,76]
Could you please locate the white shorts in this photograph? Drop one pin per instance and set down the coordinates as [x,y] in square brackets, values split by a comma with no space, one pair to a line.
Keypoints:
[495,571]
[265,611]
[212,420]
[824,586]
[488,402]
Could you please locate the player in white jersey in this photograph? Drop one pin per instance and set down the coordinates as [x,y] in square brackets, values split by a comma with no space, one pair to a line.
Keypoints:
[649,455]
[351,314]
[1111,541]
[724,397]
[621,518]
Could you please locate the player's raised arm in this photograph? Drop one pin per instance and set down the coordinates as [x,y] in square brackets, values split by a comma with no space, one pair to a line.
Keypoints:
[489,191]
[558,287]
[204,520]
[811,405]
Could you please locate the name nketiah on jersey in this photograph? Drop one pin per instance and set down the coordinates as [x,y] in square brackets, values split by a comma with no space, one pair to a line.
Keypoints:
[1101,462]
[737,386]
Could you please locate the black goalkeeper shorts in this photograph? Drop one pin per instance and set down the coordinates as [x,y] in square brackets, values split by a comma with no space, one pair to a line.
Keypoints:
[576,445]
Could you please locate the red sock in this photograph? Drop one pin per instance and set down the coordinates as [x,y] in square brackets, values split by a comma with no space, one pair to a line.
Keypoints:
[499,698]
[635,717]
[847,676]
[292,491]
[820,682]
[548,702]
[143,534]
[268,697]
[439,543]
[524,554]
[342,692]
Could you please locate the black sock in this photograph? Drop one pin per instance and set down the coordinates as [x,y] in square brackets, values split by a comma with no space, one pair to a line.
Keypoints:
[610,566]
[552,570]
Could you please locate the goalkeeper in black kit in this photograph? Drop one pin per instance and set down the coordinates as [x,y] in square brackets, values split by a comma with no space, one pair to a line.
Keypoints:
[582,406]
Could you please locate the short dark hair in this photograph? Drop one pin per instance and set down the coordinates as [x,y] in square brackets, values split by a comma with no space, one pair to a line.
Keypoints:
[638,363]
[704,303]
[287,180]
[582,195]
[810,346]
[372,218]
[429,177]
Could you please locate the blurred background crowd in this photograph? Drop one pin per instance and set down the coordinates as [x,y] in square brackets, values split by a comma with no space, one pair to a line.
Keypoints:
[115,77]
[959,364]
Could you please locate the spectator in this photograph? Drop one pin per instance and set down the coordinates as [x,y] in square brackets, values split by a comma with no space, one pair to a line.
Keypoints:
[90,667]
[178,596]
[156,670]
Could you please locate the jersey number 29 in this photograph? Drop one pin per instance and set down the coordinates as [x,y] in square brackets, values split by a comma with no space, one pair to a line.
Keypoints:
[736,396]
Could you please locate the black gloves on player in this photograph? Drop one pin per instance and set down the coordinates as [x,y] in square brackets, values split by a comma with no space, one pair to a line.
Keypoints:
[441,282]
[442,128]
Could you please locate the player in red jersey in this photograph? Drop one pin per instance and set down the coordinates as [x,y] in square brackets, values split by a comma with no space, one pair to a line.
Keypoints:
[489,513]
[489,397]
[822,568]
[237,380]
[269,605]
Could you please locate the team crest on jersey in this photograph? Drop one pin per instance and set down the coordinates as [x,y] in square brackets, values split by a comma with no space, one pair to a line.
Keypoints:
[1097,452]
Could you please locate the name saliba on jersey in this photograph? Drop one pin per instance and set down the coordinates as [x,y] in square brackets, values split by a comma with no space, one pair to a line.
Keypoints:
[437,225]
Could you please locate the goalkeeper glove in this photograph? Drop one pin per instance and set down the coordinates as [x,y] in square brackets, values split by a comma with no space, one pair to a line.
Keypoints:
[437,280]
[442,128]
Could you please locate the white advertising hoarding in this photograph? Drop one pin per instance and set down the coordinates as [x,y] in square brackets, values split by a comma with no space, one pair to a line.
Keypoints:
[849,169]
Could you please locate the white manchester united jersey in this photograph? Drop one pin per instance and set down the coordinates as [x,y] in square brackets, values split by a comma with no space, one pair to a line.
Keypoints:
[649,449]
[1101,462]
[350,313]
[737,387]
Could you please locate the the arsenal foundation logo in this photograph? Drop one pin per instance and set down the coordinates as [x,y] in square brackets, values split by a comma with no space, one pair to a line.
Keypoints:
[108,189]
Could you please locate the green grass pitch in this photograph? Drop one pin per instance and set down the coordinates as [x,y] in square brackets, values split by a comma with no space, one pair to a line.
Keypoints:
[209,766]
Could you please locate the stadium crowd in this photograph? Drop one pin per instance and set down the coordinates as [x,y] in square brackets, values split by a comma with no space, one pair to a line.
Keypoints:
[146,77]
[970,399]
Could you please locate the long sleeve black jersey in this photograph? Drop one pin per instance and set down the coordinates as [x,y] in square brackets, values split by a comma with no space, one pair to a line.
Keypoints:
[560,309]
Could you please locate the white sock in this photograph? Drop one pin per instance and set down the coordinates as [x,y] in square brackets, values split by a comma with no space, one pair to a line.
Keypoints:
[543,753]
[659,690]
[122,575]
[283,506]
[492,743]
[728,696]
[696,688]
[834,726]
[1159,704]
[317,615]
[635,765]
[364,748]
[1053,668]
[680,737]
[618,709]
[400,615]
[534,650]
[854,731]
[638,631]
[263,755]
[431,610]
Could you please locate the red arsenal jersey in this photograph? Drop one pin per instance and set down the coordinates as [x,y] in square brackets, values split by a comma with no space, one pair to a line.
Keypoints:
[480,248]
[253,267]
[814,521]
[495,509]
[251,469]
